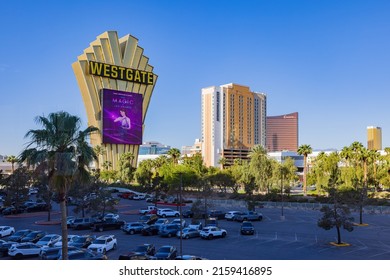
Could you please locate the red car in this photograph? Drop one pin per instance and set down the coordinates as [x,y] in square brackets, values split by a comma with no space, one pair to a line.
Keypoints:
[126,195]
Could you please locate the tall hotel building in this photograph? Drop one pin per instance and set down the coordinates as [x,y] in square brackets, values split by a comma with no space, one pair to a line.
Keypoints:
[374,138]
[282,133]
[233,121]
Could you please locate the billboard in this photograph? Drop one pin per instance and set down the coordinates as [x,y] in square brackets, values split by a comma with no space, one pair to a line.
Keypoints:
[122,117]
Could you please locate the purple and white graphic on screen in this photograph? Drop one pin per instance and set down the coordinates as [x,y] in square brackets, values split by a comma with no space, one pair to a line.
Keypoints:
[122,117]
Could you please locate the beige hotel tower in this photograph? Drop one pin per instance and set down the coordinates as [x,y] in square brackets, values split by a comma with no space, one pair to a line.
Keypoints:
[374,138]
[233,121]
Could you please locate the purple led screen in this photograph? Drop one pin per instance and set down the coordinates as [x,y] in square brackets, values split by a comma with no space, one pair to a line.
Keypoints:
[122,117]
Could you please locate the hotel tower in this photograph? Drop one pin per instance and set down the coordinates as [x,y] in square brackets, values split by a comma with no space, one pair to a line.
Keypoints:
[374,138]
[233,121]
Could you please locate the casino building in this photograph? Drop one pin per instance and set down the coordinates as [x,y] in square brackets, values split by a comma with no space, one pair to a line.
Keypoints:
[233,121]
[282,133]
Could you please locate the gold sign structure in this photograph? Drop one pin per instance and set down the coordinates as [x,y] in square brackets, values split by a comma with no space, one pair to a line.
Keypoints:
[117,64]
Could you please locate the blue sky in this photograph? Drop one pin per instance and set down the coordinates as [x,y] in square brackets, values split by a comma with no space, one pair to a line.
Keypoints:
[328,60]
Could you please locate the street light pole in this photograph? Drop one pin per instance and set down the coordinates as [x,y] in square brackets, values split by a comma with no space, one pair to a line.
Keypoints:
[181,216]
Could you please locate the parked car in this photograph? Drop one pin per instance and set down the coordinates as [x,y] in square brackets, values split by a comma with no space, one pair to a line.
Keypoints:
[83,223]
[148,219]
[54,253]
[218,214]
[132,228]
[139,197]
[126,195]
[189,257]
[71,237]
[82,241]
[70,220]
[247,228]
[6,231]
[177,222]
[34,236]
[161,221]
[166,252]
[4,246]
[103,244]
[150,230]
[195,225]
[187,233]
[211,232]
[107,224]
[22,250]
[141,250]
[41,206]
[18,235]
[166,212]
[211,222]
[84,254]
[11,210]
[147,209]
[248,216]
[169,230]
[49,240]
[229,216]
[111,216]
[191,214]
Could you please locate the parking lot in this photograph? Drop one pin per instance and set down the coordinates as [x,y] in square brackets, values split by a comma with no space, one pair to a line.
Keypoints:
[296,237]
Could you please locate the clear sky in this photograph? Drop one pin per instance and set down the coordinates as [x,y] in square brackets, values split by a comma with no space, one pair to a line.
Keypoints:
[329,60]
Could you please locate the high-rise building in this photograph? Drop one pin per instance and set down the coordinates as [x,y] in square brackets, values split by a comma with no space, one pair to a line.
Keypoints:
[233,121]
[374,138]
[282,133]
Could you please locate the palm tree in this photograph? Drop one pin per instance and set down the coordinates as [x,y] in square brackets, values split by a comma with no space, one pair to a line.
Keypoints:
[99,151]
[60,143]
[304,150]
[222,161]
[175,154]
[12,160]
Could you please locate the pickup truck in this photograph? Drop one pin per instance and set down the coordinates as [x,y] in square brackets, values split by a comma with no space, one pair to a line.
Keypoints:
[248,216]
[149,208]
[107,224]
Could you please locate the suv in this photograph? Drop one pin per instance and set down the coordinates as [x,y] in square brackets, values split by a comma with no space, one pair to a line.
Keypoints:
[83,223]
[169,230]
[229,216]
[132,228]
[103,244]
[217,214]
[211,232]
[167,213]
[248,216]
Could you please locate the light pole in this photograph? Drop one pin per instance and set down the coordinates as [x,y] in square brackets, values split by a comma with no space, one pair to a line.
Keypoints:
[181,216]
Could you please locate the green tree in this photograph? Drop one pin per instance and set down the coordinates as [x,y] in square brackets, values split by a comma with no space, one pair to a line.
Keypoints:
[222,161]
[174,154]
[260,167]
[304,150]
[126,169]
[60,142]
[16,187]
[12,160]
[99,151]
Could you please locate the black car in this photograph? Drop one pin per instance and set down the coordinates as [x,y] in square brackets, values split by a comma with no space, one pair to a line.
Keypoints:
[166,253]
[191,214]
[82,241]
[19,235]
[4,246]
[11,210]
[150,230]
[83,223]
[247,228]
[219,215]
[41,206]
[34,236]
[143,251]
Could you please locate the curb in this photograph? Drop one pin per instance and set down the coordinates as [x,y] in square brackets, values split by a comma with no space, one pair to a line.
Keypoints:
[48,223]
[339,245]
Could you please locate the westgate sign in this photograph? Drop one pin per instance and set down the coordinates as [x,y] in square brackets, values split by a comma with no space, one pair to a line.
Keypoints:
[120,73]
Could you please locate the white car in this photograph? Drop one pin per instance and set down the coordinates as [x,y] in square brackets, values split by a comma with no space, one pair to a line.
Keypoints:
[229,216]
[166,212]
[177,222]
[139,197]
[211,232]
[6,231]
[111,216]
[21,250]
[71,237]
[49,240]
[103,244]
